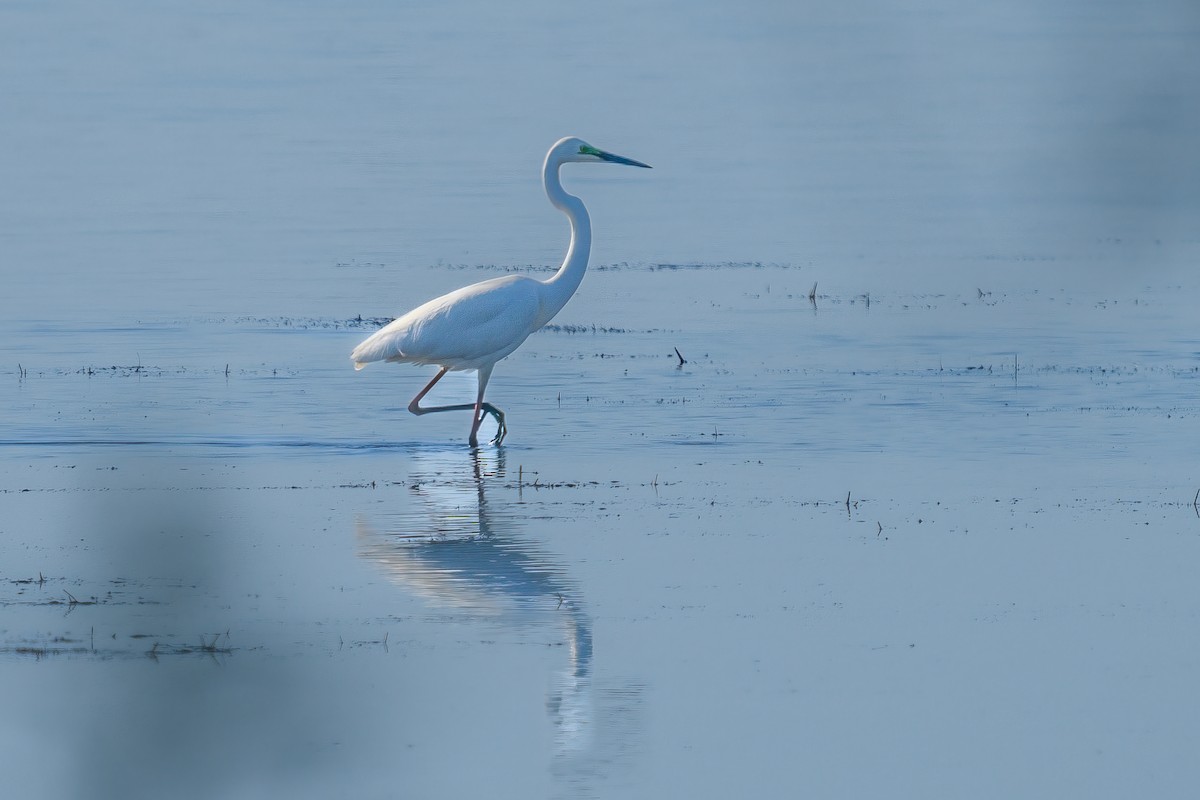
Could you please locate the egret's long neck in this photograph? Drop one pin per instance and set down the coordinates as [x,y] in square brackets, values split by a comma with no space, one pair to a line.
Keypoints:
[564,283]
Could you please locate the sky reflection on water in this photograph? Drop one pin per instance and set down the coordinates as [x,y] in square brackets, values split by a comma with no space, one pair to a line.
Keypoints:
[929,534]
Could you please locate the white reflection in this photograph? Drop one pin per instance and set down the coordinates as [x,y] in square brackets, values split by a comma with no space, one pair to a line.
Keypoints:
[458,552]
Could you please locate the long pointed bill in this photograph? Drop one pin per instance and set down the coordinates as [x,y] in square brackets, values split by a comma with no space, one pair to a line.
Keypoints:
[609,157]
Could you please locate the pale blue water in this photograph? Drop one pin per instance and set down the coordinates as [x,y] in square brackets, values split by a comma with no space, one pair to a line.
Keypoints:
[231,566]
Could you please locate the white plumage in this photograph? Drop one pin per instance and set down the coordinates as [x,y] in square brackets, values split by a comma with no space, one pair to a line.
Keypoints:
[476,326]
[465,329]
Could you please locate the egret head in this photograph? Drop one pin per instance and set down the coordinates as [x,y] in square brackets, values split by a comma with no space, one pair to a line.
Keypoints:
[573,149]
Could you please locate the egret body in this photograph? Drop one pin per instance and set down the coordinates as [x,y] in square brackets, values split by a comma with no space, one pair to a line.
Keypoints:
[477,325]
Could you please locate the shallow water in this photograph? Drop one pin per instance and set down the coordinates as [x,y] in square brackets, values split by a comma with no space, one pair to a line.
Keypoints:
[927,533]
[886,545]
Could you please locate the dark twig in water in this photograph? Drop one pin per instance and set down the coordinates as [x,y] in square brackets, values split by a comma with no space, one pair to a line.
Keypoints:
[812,294]
[1195,504]
[682,360]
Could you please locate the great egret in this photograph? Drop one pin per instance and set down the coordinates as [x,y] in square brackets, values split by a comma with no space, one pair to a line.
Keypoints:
[476,326]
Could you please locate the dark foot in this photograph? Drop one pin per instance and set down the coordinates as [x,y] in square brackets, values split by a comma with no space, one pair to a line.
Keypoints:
[501,428]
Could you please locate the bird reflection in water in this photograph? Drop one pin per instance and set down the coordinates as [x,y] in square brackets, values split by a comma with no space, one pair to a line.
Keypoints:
[458,552]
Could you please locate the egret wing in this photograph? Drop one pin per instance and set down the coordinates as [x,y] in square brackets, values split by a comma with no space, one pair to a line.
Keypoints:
[469,327]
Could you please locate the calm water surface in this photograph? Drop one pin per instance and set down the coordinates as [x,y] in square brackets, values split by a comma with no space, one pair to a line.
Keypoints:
[927,533]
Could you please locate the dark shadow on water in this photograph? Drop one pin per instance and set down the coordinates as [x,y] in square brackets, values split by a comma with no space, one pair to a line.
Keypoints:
[462,552]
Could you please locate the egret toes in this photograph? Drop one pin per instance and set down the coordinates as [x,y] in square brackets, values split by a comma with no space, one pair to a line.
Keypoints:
[501,428]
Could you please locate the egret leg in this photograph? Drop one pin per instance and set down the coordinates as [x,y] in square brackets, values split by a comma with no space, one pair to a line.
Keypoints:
[479,406]
[482,409]
[416,408]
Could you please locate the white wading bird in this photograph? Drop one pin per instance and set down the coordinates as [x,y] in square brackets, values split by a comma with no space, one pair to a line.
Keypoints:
[476,326]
